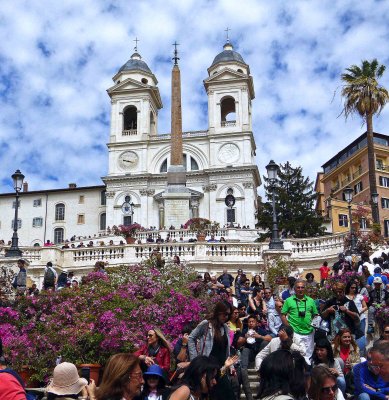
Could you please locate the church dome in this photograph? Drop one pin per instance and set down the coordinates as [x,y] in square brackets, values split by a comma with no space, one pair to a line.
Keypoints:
[228,54]
[135,63]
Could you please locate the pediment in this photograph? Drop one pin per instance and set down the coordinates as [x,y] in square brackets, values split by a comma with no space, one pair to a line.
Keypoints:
[128,84]
[225,74]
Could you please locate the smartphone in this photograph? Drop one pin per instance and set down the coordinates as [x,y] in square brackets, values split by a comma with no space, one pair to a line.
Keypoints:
[85,373]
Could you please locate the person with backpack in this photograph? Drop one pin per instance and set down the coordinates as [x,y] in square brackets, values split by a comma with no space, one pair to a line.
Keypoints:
[50,278]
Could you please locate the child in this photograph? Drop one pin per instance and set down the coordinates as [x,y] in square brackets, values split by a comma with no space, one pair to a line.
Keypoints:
[155,384]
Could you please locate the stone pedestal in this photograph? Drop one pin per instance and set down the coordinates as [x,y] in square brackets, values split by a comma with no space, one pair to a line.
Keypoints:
[176,208]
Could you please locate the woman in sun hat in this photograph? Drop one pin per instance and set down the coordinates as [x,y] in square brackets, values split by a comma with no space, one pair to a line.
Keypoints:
[66,384]
[155,384]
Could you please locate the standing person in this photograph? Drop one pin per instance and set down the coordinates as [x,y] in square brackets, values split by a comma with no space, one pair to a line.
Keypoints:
[341,312]
[245,292]
[50,278]
[122,378]
[377,297]
[237,283]
[212,338]
[298,312]
[324,272]
[225,279]
[156,350]
[20,281]
[289,291]
[62,279]
[352,294]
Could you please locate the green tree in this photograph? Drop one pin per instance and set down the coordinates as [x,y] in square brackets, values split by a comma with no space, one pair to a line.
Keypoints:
[364,96]
[294,197]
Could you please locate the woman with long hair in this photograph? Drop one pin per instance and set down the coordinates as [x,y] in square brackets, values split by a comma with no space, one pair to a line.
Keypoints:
[324,355]
[257,304]
[346,348]
[198,380]
[257,282]
[235,323]
[156,350]
[323,384]
[282,376]
[353,293]
[155,384]
[122,378]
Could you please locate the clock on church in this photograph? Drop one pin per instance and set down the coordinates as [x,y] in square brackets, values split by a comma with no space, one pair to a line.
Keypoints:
[128,160]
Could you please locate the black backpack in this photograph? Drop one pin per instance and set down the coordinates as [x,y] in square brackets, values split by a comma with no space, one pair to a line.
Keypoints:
[49,278]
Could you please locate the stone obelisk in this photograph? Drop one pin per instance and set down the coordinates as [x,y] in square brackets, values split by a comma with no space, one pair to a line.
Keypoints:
[176,196]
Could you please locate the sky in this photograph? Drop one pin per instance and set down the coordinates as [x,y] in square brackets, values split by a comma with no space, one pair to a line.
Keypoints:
[57,60]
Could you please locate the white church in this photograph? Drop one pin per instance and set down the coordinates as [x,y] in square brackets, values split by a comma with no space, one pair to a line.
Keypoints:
[218,161]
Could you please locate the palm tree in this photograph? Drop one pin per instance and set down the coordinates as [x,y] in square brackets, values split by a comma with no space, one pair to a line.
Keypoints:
[364,96]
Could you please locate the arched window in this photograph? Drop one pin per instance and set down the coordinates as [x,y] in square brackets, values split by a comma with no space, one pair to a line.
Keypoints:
[103,221]
[60,212]
[227,109]
[58,235]
[130,118]
[152,124]
[189,163]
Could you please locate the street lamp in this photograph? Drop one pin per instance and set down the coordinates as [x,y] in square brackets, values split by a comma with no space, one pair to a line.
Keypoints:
[348,193]
[272,172]
[14,250]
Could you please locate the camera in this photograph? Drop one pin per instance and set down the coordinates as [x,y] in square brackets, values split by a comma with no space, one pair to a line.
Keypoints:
[302,314]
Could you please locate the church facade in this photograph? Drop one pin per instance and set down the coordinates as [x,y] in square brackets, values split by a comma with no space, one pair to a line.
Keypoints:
[218,161]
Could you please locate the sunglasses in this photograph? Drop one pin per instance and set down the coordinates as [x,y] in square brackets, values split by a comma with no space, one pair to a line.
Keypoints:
[150,335]
[329,389]
[386,332]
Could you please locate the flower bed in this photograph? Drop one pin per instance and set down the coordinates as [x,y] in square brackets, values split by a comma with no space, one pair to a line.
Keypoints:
[107,314]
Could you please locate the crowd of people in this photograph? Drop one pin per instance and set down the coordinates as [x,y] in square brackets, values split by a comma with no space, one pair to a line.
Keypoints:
[300,345]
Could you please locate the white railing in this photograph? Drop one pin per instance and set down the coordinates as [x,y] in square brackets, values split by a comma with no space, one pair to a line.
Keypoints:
[228,123]
[130,132]
[97,253]
[323,244]
[167,136]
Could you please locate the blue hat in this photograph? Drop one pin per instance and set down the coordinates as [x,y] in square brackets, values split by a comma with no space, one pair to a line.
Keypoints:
[155,370]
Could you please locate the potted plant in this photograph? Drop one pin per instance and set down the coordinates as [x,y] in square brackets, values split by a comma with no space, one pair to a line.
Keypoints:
[127,231]
[201,226]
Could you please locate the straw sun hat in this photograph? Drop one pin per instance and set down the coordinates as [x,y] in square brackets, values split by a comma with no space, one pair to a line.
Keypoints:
[66,380]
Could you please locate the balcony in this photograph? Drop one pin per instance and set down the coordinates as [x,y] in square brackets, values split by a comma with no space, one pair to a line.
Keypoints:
[130,132]
[226,124]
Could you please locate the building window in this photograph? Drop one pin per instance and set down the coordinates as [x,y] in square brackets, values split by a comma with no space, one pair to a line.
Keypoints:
[163,166]
[380,164]
[384,181]
[130,116]
[103,221]
[358,187]
[19,223]
[60,212]
[81,199]
[127,220]
[81,219]
[343,220]
[227,111]
[190,164]
[37,203]
[103,198]
[37,222]
[14,204]
[384,202]
[58,235]
[363,223]
[230,215]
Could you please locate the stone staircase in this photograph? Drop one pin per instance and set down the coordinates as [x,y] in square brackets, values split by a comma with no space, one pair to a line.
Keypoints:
[254,383]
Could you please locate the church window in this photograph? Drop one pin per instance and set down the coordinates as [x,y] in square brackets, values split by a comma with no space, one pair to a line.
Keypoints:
[58,235]
[153,130]
[127,220]
[145,81]
[130,116]
[103,221]
[103,198]
[81,219]
[81,199]
[230,215]
[214,72]
[228,113]
[193,164]
[163,166]
[60,212]
[239,70]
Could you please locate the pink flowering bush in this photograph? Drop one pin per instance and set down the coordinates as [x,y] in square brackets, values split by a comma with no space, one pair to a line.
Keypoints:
[109,313]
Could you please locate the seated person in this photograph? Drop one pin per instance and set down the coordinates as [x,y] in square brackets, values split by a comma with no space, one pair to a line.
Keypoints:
[11,384]
[368,384]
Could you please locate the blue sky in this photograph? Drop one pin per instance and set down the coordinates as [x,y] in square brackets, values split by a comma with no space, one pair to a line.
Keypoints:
[57,60]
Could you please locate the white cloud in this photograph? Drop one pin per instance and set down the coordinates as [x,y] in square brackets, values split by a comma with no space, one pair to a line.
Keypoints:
[58,58]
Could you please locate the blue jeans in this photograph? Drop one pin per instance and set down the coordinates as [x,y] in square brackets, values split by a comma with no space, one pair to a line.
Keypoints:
[341,384]
[361,342]
[363,396]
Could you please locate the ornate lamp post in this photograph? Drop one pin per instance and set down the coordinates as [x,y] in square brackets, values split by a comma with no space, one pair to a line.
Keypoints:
[348,195]
[14,250]
[272,172]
